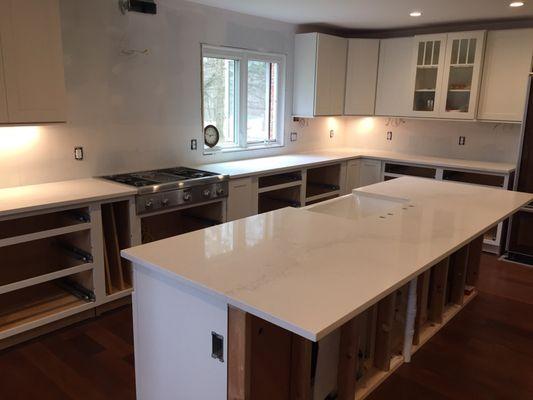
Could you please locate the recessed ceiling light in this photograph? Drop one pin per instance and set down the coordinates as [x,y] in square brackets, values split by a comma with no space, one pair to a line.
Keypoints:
[415,14]
[516,4]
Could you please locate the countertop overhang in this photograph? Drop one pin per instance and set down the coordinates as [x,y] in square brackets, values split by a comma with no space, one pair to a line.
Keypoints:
[309,272]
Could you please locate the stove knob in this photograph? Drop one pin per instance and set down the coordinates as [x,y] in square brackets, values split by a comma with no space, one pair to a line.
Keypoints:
[149,204]
[206,193]
[220,191]
[187,196]
[164,202]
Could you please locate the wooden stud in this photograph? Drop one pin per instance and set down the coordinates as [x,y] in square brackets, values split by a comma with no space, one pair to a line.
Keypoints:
[458,264]
[385,319]
[239,354]
[474,260]
[348,359]
[422,296]
[437,291]
[301,358]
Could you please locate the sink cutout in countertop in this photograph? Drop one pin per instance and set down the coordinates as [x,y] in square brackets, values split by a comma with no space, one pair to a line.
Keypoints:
[358,205]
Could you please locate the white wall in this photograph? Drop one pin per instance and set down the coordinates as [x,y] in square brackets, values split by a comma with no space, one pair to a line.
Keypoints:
[140,112]
[484,141]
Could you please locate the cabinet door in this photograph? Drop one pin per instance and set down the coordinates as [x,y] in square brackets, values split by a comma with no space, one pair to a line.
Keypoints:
[460,87]
[393,88]
[330,78]
[353,175]
[504,83]
[3,100]
[428,61]
[33,60]
[242,199]
[370,172]
[361,76]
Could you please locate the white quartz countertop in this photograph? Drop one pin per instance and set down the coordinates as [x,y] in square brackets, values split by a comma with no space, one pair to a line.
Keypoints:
[310,272]
[57,194]
[249,167]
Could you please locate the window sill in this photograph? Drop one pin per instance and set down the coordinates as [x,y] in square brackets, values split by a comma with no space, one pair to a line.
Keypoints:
[213,151]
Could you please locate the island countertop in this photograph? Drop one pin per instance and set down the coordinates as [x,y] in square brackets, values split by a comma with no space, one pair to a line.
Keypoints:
[310,272]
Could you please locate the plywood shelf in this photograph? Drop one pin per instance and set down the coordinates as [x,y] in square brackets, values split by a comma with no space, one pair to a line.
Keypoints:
[43,225]
[35,306]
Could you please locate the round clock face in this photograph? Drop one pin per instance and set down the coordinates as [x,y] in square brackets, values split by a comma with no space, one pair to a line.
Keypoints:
[211,136]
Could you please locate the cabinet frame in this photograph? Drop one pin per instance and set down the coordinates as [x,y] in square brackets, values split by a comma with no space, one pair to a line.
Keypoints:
[439,77]
[476,74]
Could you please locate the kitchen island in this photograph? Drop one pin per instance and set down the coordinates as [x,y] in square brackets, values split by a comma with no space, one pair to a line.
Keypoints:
[306,303]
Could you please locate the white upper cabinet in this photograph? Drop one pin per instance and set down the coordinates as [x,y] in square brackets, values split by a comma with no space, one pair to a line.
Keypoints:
[428,65]
[361,76]
[319,74]
[393,96]
[462,76]
[506,69]
[446,74]
[30,37]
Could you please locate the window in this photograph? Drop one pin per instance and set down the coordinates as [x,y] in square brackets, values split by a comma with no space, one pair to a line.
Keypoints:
[242,96]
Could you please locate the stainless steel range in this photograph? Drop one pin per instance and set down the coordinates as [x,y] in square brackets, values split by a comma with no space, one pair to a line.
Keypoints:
[173,187]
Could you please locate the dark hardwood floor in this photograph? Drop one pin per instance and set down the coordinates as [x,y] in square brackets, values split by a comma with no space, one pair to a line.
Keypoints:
[486,352]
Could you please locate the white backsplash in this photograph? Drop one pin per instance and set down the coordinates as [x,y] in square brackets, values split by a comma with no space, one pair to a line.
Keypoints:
[484,141]
[133,112]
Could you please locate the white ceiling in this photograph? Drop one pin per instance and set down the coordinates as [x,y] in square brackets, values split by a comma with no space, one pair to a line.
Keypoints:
[375,14]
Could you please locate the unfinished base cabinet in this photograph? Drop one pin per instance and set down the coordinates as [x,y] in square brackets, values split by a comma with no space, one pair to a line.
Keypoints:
[267,362]
[48,269]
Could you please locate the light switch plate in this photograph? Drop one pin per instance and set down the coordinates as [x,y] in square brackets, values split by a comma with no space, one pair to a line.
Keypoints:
[294,136]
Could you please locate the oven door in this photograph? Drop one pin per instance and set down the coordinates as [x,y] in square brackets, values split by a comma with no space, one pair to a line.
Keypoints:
[180,220]
[520,245]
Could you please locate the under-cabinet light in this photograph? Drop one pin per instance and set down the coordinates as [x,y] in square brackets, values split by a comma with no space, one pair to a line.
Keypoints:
[516,4]
[415,13]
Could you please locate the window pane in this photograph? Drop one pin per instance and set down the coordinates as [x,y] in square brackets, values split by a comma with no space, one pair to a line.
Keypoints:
[262,101]
[220,97]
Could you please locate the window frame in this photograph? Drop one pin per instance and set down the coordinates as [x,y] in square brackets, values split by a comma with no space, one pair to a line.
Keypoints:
[241,109]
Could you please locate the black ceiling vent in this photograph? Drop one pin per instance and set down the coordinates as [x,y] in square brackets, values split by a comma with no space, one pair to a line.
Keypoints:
[142,6]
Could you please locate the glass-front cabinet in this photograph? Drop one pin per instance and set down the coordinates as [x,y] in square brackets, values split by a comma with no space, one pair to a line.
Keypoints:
[464,52]
[429,54]
[446,74]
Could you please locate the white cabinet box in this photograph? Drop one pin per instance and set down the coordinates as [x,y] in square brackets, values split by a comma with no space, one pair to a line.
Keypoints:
[32,53]
[242,198]
[361,76]
[446,74]
[393,97]
[505,72]
[370,172]
[319,75]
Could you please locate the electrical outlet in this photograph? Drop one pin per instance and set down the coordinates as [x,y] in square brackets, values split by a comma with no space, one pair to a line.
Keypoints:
[194,144]
[294,136]
[78,153]
[462,140]
[331,133]
[389,135]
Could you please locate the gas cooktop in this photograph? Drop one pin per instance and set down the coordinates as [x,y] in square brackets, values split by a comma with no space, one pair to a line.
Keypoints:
[173,187]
